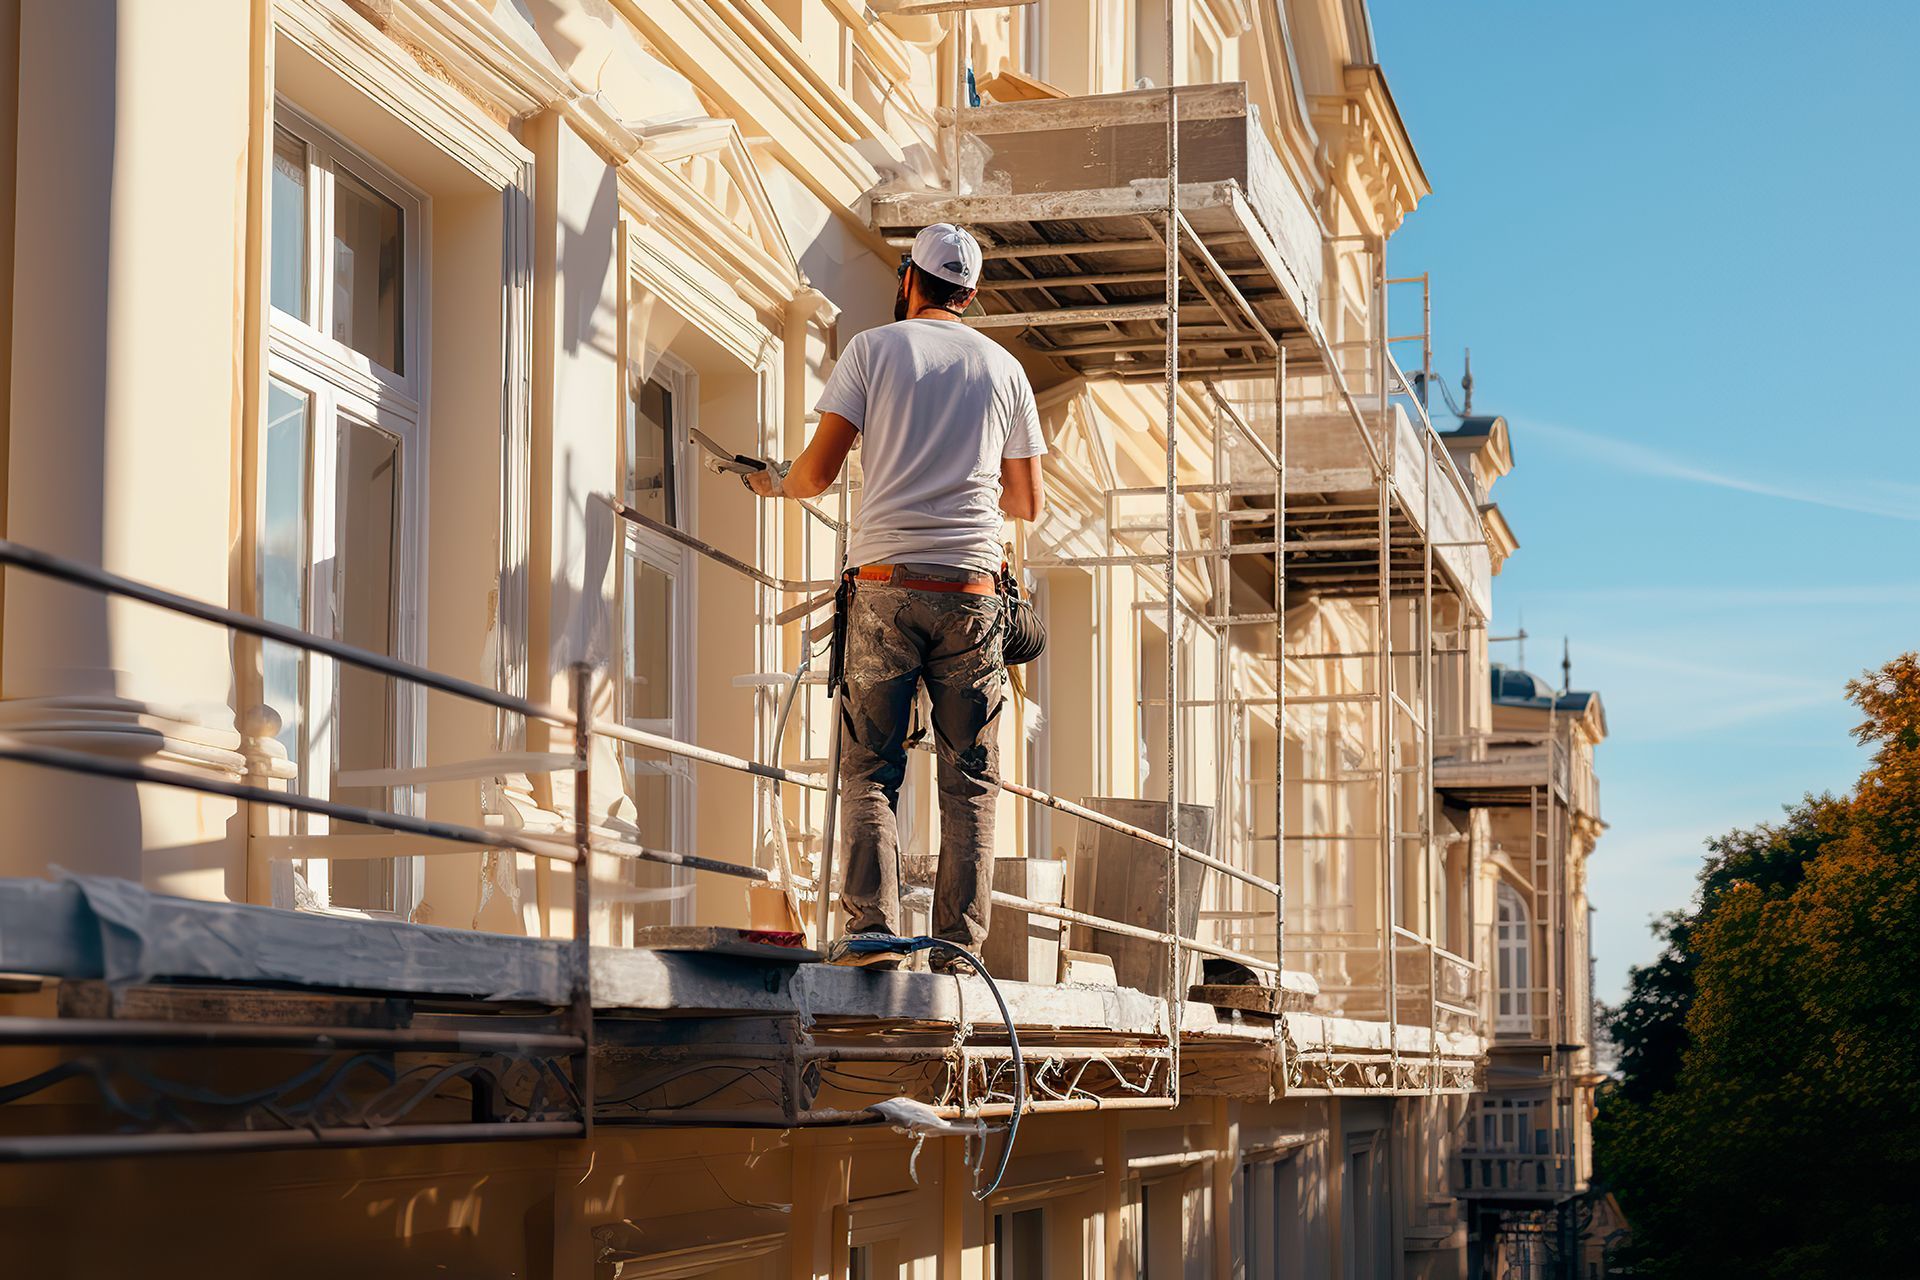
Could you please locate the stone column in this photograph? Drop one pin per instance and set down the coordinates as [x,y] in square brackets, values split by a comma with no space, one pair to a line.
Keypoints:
[125,407]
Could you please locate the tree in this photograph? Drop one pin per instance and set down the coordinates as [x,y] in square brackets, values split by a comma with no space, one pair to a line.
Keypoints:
[1767,1122]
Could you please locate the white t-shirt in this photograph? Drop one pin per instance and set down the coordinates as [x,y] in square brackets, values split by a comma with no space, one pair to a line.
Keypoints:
[937,407]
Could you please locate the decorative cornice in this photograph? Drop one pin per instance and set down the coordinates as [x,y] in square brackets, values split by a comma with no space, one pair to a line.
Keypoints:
[343,40]
[743,48]
[767,273]
[1362,126]
[508,71]
[1501,541]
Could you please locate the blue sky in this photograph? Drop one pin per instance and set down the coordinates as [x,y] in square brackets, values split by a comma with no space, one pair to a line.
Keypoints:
[1678,239]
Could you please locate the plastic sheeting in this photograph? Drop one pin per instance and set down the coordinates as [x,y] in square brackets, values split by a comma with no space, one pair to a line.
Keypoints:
[100,927]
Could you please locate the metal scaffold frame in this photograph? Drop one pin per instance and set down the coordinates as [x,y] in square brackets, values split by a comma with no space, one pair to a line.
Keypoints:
[1198,277]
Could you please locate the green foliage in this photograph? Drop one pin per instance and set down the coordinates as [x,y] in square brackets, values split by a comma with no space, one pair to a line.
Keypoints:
[1767,1119]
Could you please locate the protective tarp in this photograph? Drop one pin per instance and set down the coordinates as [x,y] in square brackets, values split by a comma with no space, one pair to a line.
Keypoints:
[100,927]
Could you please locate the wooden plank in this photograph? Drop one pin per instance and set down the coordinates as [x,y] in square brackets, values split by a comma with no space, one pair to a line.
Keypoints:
[1108,110]
[780,946]
[1016,86]
[987,211]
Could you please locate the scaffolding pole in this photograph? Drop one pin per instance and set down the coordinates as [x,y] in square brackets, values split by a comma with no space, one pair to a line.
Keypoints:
[1176,995]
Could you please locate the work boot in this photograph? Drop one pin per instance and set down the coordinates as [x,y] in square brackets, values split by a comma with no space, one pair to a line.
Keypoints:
[867,949]
[947,961]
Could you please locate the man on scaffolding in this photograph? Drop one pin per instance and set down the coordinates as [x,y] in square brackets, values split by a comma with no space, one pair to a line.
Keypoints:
[950,446]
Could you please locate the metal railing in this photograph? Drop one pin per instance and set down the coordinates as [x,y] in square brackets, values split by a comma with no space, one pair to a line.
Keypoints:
[1027,794]
[574,847]
[1503,1173]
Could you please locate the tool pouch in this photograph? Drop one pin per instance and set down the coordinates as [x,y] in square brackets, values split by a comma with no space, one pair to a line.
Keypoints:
[837,652]
[1026,634]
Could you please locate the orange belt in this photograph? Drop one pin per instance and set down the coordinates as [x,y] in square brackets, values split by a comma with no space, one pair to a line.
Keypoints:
[976,584]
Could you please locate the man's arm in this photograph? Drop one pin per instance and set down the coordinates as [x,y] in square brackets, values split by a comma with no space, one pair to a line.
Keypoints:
[818,465]
[1021,488]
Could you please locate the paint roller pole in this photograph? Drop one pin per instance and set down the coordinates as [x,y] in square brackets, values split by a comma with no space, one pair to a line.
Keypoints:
[829,827]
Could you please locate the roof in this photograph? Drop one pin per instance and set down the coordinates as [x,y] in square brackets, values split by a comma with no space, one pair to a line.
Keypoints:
[1486,437]
[1514,687]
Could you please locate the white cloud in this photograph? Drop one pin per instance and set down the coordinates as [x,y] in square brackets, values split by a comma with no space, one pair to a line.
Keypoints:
[1890,499]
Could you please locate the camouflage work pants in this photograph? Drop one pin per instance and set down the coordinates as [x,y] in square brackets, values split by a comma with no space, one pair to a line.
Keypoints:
[897,638]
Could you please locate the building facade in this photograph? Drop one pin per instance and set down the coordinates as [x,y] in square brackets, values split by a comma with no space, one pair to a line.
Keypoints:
[419,333]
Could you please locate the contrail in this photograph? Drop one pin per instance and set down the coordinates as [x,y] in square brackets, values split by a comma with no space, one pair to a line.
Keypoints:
[1874,498]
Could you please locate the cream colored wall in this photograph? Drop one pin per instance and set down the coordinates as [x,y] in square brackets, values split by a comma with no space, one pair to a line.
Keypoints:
[463,516]
[125,408]
[578,380]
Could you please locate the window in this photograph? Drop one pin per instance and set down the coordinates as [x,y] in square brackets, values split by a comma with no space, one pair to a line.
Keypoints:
[342,462]
[1363,1226]
[1509,1125]
[1150,43]
[1019,1244]
[1204,43]
[1513,963]
[656,659]
[1270,1220]
[343,250]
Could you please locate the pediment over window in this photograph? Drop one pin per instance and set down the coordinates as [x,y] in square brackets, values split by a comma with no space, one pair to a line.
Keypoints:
[716,191]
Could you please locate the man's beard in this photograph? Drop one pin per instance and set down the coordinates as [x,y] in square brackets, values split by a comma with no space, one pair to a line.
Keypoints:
[900,301]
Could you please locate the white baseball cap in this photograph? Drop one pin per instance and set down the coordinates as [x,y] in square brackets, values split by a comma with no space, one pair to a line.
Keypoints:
[946,251]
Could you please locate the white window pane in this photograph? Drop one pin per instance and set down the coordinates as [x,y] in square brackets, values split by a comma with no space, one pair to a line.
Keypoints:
[283,554]
[652,479]
[287,263]
[365,568]
[649,656]
[367,301]
[647,698]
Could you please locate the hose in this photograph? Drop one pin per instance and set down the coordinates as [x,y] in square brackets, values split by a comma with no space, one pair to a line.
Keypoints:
[1019,1062]
[844,949]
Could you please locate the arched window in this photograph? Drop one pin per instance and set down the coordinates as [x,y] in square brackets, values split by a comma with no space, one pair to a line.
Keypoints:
[1513,959]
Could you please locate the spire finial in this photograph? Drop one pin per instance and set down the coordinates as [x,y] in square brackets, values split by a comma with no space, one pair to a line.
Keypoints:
[1466,386]
[1566,665]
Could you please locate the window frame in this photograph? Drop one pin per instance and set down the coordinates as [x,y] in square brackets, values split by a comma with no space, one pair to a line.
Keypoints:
[676,561]
[342,384]
[1033,21]
[1512,958]
[327,153]
[1010,1212]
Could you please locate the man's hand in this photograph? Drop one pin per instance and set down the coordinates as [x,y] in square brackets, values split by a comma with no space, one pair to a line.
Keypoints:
[770,481]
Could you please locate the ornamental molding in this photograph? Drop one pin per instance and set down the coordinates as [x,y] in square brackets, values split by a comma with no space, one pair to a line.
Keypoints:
[1362,128]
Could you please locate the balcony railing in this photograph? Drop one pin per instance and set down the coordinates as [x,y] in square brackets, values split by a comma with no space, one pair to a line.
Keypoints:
[1503,1174]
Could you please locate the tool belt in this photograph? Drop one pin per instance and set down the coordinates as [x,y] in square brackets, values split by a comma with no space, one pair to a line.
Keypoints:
[1023,634]
[968,581]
